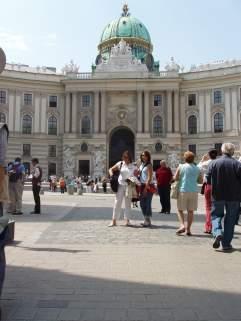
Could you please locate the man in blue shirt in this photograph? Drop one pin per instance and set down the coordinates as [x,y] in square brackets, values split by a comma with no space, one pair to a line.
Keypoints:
[224,174]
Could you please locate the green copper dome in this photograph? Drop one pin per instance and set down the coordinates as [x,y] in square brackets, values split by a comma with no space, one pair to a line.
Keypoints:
[125,27]
[131,30]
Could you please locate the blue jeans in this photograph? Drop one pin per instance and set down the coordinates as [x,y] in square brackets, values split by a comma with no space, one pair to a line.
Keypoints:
[217,213]
[145,203]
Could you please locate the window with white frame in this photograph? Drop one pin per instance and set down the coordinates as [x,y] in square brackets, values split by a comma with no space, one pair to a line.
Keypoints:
[157,100]
[85,125]
[27,124]
[85,100]
[2,118]
[157,126]
[192,101]
[52,101]
[52,151]
[52,125]
[27,99]
[192,125]
[218,123]
[192,148]
[27,150]
[3,97]
[217,97]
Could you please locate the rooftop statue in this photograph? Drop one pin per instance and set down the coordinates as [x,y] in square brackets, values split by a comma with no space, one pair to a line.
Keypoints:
[121,49]
[70,68]
[172,66]
[2,60]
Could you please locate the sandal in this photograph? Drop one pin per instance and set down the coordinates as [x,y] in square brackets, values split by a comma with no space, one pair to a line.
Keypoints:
[189,234]
[112,225]
[180,230]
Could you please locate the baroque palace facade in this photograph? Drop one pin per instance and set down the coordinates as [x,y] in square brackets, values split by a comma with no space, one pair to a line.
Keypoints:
[80,123]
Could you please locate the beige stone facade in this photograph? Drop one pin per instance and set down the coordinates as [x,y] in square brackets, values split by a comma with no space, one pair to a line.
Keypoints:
[68,121]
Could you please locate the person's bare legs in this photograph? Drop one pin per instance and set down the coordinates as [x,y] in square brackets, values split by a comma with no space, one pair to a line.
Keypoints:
[189,221]
[180,215]
[113,223]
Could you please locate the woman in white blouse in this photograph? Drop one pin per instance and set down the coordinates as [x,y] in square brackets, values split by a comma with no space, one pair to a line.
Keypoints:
[127,169]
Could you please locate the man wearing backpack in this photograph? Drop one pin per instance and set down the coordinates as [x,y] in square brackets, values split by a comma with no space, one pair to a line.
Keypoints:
[16,173]
[36,184]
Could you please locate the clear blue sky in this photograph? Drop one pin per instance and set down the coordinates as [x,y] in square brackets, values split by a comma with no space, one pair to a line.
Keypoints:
[51,32]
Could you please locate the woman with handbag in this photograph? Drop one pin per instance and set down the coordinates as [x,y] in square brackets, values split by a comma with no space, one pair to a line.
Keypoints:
[147,187]
[188,175]
[126,169]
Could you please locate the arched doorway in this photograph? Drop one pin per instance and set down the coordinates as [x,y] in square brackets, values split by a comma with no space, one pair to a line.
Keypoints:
[121,139]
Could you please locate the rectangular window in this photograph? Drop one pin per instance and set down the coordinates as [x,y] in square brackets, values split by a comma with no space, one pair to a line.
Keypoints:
[157,100]
[26,150]
[85,100]
[192,148]
[28,99]
[3,97]
[192,100]
[52,101]
[52,151]
[51,169]
[218,146]
[217,97]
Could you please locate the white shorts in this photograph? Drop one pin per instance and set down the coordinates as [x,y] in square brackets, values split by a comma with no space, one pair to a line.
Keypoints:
[187,201]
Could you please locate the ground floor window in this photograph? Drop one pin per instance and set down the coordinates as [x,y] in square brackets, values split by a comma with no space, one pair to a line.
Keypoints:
[51,169]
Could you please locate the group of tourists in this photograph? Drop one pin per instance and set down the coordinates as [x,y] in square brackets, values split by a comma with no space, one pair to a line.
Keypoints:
[220,178]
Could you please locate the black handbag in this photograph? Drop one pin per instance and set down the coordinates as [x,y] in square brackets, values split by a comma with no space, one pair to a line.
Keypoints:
[114,184]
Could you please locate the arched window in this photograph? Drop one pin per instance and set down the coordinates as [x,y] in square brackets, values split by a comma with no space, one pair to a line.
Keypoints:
[157,126]
[27,124]
[85,126]
[192,125]
[52,125]
[2,118]
[218,123]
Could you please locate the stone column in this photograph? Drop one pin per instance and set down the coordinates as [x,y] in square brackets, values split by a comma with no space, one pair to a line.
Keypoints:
[227,102]
[18,112]
[103,111]
[176,112]
[234,109]
[146,112]
[67,113]
[11,110]
[61,110]
[139,111]
[201,112]
[37,113]
[44,119]
[74,112]
[169,111]
[96,112]
[182,112]
[208,111]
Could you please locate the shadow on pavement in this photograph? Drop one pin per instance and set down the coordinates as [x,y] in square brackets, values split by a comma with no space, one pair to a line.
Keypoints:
[34,294]
[52,249]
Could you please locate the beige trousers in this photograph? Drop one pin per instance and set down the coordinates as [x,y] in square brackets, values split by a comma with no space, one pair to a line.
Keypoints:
[15,195]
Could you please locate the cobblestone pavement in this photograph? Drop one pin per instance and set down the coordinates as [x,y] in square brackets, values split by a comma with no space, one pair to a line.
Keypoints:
[67,265]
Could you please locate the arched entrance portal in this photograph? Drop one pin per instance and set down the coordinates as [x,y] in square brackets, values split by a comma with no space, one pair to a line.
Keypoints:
[121,139]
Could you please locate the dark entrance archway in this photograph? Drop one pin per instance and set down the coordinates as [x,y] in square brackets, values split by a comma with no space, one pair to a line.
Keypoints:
[121,139]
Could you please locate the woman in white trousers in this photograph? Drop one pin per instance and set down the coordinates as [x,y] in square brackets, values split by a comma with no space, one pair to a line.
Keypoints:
[127,169]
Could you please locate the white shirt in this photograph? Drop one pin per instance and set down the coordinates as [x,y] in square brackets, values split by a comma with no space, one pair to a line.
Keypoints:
[126,171]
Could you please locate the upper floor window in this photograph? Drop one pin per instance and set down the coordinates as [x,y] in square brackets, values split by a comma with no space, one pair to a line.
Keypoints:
[157,100]
[3,97]
[28,99]
[26,150]
[85,100]
[192,125]
[217,97]
[52,151]
[218,123]
[2,118]
[157,125]
[192,100]
[192,148]
[52,125]
[27,124]
[85,126]
[52,101]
